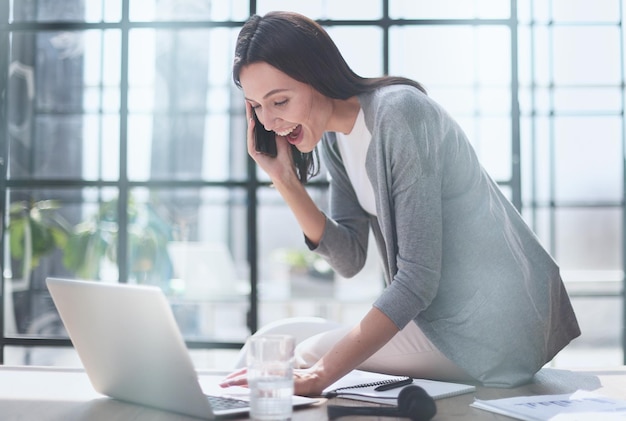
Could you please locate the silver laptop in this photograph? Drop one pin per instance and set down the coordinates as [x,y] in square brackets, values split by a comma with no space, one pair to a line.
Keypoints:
[132,349]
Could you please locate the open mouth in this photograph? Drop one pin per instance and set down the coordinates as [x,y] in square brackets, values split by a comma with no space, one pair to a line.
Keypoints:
[292,133]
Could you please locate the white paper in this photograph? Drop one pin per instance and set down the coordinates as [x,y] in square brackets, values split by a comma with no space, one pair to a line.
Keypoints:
[577,406]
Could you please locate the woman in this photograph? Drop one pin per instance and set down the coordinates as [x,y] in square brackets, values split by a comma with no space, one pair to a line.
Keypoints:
[471,294]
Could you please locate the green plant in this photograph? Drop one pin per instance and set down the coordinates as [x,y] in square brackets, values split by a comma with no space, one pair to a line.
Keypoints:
[97,238]
[35,229]
[305,262]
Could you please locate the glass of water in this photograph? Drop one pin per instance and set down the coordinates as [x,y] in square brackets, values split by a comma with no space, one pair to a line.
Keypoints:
[270,376]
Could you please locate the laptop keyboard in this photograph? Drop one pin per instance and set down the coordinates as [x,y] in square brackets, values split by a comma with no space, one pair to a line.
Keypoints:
[221,402]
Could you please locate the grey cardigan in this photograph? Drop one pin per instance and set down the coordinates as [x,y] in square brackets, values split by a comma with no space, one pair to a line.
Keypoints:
[458,258]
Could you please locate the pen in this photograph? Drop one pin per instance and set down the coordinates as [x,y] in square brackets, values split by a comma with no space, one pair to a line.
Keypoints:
[394,385]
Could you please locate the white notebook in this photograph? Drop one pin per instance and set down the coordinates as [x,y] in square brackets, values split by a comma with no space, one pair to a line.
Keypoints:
[361,385]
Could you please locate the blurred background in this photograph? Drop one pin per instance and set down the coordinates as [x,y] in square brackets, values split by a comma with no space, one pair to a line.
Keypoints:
[122,156]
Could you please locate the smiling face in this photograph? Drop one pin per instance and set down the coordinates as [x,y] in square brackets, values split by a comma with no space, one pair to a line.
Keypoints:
[284,105]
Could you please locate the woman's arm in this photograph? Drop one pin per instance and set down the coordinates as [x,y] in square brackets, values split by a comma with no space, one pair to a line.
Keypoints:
[374,331]
[308,215]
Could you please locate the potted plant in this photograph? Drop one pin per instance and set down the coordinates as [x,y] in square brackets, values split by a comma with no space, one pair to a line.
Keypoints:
[96,239]
[35,229]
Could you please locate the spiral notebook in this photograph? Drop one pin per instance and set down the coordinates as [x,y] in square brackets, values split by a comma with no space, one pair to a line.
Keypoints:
[361,385]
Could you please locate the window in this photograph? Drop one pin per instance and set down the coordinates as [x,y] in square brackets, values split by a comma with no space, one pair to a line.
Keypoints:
[123,154]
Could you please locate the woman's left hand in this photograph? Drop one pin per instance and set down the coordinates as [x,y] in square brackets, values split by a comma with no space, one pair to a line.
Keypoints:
[306,382]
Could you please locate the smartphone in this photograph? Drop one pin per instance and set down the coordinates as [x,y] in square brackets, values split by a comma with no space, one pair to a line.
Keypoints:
[264,141]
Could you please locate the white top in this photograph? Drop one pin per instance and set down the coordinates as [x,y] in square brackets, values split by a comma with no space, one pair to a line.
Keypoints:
[353,148]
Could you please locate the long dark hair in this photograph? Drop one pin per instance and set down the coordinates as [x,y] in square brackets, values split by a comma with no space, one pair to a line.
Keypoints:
[302,49]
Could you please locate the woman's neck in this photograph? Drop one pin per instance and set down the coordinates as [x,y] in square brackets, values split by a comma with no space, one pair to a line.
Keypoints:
[345,112]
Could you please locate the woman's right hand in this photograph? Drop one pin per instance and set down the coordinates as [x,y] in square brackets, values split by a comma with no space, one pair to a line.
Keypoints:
[276,167]
[282,172]
[236,378]
[306,381]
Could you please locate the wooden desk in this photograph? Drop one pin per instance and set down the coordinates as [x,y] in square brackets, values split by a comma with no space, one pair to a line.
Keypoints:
[35,393]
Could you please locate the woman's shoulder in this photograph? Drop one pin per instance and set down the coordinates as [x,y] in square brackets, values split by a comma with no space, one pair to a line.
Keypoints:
[393,94]
[398,102]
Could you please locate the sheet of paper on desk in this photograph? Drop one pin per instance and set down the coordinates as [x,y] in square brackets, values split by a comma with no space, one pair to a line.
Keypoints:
[578,406]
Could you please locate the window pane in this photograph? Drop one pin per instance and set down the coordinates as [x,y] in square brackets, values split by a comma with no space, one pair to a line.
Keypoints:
[569,55]
[588,100]
[580,11]
[182,127]
[572,150]
[492,142]
[535,57]
[158,58]
[432,55]
[589,239]
[537,155]
[451,55]
[542,224]
[189,242]
[55,232]
[192,243]
[43,356]
[361,47]
[323,9]
[534,11]
[449,9]
[588,159]
[491,139]
[460,101]
[578,60]
[494,101]
[294,282]
[538,101]
[506,190]
[568,11]
[64,105]
[66,10]
[472,101]
[174,10]
[68,357]
[599,319]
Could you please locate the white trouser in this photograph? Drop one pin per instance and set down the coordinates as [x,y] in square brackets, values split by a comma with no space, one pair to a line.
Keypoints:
[408,353]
